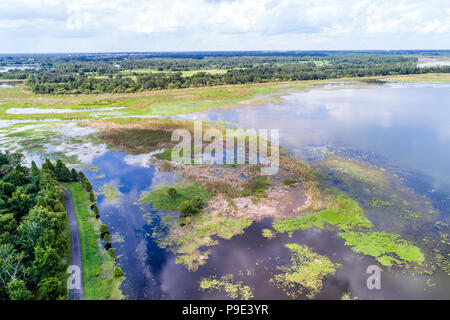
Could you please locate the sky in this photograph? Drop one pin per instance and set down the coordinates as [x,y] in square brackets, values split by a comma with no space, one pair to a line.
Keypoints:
[39,26]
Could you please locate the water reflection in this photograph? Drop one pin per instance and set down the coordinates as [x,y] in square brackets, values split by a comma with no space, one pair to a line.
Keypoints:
[405,125]
[409,125]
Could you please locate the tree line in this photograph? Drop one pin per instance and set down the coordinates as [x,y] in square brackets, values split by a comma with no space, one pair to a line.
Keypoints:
[34,237]
[128,73]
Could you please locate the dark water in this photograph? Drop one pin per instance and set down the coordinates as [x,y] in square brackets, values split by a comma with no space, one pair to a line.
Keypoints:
[405,128]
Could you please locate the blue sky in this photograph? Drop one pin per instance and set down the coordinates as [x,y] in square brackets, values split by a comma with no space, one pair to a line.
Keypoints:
[196,25]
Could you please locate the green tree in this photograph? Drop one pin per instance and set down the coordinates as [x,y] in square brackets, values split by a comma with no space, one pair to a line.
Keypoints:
[60,171]
[95,210]
[16,177]
[46,262]
[17,290]
[103,230]
[172,193]
[81,177]
[6,189]
[112,252]
[8,225]
[187,209]
[50,288]
[87,185]
[74,175]
[34,173]
[19,203]
[107,238]
[11,266]
[48,165]
[197,203]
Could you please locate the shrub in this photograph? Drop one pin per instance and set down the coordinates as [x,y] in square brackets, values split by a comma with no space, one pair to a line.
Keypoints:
[197,203]
[118,273]
[103,230]
[187,209]
[107,238]
[112,252]
[172,193]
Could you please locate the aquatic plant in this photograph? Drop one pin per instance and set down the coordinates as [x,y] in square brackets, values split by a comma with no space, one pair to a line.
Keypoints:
[111,193]
[190,241]
[342,212]
[267,233]
[348,296]
[378,203]
[233,289]
[386,248]
[306,273]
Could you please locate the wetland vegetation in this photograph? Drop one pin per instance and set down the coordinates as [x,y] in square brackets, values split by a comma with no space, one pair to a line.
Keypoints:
[165,219]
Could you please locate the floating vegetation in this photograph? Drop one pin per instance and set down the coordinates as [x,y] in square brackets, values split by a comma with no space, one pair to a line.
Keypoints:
[411,216]
[233,289]
[307,272]
[92,168]
[344,169]
[111,193]
[100,176]
[267,233]
[378,203]
[348,296]
[443,262]
[189,240]
[386,248]
[440,225]
[343,213]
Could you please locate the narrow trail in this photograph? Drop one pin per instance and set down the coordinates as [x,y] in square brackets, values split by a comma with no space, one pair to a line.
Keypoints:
[77,294]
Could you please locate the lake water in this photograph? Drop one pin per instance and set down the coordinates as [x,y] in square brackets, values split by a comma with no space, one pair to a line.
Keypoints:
[8,85]
[403,128]
[432,63]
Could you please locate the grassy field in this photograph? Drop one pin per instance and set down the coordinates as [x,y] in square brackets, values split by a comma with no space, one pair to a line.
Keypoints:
[168,102]
[131,72]
[97,265]
[426,77]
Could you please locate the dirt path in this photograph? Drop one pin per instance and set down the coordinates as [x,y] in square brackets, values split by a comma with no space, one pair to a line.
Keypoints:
[77,294]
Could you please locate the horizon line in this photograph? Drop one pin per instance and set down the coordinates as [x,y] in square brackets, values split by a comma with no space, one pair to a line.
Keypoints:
[224,51]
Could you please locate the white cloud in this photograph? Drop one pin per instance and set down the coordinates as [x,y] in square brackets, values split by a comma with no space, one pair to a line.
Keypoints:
[96,25]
